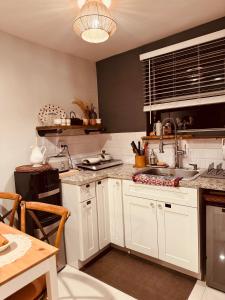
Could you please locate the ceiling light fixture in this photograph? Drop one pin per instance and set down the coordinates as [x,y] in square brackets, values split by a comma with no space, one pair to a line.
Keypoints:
[94,23]
[106,2]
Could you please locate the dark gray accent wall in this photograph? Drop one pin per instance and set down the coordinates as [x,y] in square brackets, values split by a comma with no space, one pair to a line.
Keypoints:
[119,78]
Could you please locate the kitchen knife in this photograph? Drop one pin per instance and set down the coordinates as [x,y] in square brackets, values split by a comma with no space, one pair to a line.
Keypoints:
[139,147]
[134,147]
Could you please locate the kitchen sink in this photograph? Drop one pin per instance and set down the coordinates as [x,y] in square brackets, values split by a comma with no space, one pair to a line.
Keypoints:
[186,174]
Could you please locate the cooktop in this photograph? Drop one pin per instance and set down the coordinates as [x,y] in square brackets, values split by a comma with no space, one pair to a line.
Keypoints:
[101,165]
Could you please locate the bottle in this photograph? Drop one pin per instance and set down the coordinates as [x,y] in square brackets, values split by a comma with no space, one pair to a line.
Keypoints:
[167,129]
[147,154]
[153,159]
[158,128]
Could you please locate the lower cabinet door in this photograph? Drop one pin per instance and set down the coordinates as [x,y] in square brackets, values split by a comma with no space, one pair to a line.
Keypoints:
[116,217]
[103,213]
[141,225]
[88,229]
[178,235]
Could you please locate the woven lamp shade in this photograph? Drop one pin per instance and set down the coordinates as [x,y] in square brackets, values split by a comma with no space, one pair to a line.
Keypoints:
[94,22]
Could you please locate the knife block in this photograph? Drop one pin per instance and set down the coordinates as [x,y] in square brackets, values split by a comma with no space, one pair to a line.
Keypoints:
[139,161]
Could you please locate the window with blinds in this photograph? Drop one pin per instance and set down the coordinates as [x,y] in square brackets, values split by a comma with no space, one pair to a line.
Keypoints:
[191,73]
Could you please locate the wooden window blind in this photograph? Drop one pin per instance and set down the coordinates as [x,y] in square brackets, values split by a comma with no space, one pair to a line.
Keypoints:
[191,73]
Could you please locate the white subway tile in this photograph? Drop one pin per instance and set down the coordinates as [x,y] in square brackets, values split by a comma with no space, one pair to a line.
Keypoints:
[202,152]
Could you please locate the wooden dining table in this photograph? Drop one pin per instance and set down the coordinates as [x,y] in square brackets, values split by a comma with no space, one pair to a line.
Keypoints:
[40,259]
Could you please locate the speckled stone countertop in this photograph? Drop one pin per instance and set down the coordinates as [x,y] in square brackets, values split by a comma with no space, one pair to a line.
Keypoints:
[126,171]
[205,183]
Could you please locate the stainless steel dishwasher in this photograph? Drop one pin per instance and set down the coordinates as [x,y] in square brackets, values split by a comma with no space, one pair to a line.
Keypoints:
[215,239]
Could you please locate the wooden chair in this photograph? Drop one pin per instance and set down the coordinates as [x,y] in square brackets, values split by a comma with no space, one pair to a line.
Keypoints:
[36,289]
[14,197]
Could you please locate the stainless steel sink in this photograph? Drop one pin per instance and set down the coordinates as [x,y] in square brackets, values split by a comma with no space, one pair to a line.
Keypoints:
[187,174]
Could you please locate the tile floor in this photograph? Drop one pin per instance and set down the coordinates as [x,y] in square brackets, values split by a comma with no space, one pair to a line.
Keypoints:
[76,285]
[202,292]
[149,281]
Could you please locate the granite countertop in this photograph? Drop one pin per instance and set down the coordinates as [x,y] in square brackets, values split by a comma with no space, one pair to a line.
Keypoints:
[205,183]
[126,171]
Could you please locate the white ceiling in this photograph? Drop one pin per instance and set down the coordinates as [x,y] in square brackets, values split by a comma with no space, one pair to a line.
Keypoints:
[49,22]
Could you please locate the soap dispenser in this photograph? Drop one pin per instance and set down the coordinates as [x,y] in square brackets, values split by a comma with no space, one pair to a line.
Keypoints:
[153,158]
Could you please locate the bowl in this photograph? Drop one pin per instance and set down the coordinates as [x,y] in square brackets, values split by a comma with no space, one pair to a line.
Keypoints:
[4,247]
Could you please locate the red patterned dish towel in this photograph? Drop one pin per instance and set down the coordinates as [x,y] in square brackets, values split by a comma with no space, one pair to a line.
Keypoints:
[157,180]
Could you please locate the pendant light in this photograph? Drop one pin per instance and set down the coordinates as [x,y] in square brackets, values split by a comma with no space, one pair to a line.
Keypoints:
[94,23]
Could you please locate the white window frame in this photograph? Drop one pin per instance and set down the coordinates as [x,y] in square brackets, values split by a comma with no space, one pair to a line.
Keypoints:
[192,42]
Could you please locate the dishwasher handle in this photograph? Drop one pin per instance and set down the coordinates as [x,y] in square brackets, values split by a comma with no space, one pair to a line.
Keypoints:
[214,199]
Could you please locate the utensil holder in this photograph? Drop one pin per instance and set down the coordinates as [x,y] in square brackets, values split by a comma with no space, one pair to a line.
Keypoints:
[139,161]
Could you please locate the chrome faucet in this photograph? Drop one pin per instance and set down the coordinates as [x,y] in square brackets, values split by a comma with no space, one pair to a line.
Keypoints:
[178,152]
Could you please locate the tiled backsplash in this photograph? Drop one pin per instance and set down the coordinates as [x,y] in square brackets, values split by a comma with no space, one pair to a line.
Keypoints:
[203,152]
[200,151]
[79,146]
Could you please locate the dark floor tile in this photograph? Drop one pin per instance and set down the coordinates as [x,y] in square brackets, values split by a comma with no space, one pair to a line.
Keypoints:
[139,278]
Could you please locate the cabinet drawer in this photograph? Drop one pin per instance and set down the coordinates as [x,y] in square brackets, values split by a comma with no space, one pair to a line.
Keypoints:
[178,195]
[87,191]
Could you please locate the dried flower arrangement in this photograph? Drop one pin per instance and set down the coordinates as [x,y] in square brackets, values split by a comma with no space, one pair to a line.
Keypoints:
[87,109]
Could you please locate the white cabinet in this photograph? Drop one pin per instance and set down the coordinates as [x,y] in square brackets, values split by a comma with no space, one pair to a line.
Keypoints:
[88,229]
[103,213]
[116,212]
[81,229]
[158,225]
[178,235]
[161,222]
[141,225]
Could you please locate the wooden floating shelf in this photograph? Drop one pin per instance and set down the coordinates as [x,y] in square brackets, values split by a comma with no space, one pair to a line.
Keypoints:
[183,137]
[166,137]
[59,130]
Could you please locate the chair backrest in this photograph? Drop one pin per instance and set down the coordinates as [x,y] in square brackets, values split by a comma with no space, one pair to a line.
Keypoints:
[30,207]
[14,197]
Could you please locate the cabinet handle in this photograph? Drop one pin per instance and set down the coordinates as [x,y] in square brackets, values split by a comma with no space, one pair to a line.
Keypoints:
[87,185]
[152,205]
[88,202]
[160,206]
[99,182]
[167,205]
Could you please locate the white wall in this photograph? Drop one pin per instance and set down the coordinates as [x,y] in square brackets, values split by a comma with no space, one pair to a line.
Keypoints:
[30,77]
